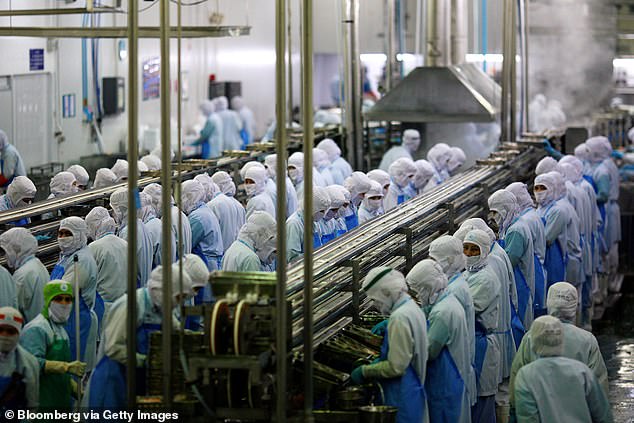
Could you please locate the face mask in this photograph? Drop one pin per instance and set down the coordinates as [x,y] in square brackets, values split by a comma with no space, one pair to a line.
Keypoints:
[541,197]
[472,261]
[24,202]
[250,189]
[74,189]
[318,216]
[231,190]
[66,244]
[293,174]
[330,215]
[357,200]
[401,180]
[156,296]
[445,263]
[268,252]
[8,343]
[374,204]
[59,313]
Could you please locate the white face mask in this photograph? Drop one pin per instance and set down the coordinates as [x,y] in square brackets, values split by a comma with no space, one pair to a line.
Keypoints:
[8,343]
[231,190]
[374,205]
[445,263]
[268,252]
[473,261]
[24,202]
[66,244]
[294,174]
[541,197]
[156,296]
[318,216]
[330,214]
[251,190]
[59,313]
[358,199]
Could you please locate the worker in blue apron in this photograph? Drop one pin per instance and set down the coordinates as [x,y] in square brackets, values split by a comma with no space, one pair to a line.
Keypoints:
[439,156]
[20,193]
[485,288]
[329,225]
[372,205]
[424,172]
[11,163]
[19,370]
[72,239]
[555,221]
[402,172]
[210,138]
[401,366]
[357,185]
[449,361]
[295,224]
[107,385]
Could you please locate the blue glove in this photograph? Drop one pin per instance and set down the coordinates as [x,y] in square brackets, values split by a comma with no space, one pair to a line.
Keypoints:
[380,328]
[357,376]
[617,154]
[41,238]
[547,143]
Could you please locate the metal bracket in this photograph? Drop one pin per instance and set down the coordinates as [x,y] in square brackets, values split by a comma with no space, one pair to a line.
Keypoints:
[408,248]
[451,216]
[355,288]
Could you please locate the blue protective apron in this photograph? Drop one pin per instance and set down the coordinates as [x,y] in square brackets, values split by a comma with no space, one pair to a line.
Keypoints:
[539,301]
[108,382]
[480,348]
[401,199]
[517,316]
[554,262]
[245,138]
[352,221]
[340,232]
[327,238]
[602,228]
[444,388]
[205,151]
[406,392]
[193,322]
[99,308]
[316,240]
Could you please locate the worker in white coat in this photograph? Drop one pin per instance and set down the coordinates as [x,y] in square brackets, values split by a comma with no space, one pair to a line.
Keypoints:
[11,163]
[230,213]
[357,185]
[456,161]
[104,178]
[372,205]
[382,177]
[120,169]
[247,117]
[439,156]
[334,154]
[211,136]
[424,172]
[231,124]
[255,186]
[295,224]
[255,249]
[270,164]
[81,175]
[29,274]
[156,192]
[19,194]
[411,142]
[322,164]
[402,172]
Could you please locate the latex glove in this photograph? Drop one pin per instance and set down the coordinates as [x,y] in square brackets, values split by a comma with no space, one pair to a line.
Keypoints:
[380,328]
[549,148]
[41,238]
[356,376]
[56,367]
[76,368]
[140,359]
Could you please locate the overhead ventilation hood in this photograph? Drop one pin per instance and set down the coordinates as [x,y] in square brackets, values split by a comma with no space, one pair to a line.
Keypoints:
[455,93]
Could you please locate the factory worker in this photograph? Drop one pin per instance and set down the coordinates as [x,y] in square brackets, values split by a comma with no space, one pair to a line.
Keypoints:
[322,164]
[528,214]
[46,337]
[447,251]
[231,124]
[29,274]
[211,135]
[518,244]
[255,248]
[342,228]
[152,162]
[156,192]
[372,205]
[11,163]
[424,173]
[104,178]
[81,176]
[270,163]
[249,165]
[120,169]
[8,291]
[19,369]
[62,184]
[19,194]
[206,237]
[439,156]
[210,187]
[197,271]
[338,203]
[411,142]
[230,213]
[255,186]
[296,173]
[545,165]
[157,152]
[338,162]
[144,247]
[295,224]
[554,388]
[328,225]
[579,344]
[153,226]
[111,255]
[357,185]
[555,221]
[142,167]
[72,238]
[582,153]
[247,117]
[449,361]
[107,385]
[485,291]
[402,172]
[457,160]
[402,365]
[382,177]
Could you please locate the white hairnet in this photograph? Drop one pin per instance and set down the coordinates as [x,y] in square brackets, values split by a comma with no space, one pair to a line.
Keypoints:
[193,194]
[221,103]
[599,148]
[147,210]
[247,166]
[237,102]
[582,152]
[259,231]
[380,176]
[447,250]
[321,199]
[99,222]
[439,156]
[142,167]
[270,163]
[357,184]
[104,178]
[549,182]
[157,152]
[411,139]
[210,187]
[155,191]
[156,282]
[21,189]
[120,169]
[4,139]
[471,224]
[337,198]
[570,172]
[482,240]
[424,172]
[520,191]
[297,160]
[11,317]
[224,182]
[457,159]
[196,269]
[546,164]
[18,244]
[376,190]
[427,280]
[331,148]
[81,175]
[402,171]
[320,159]
[152,162]
[504,203]
[384,286]
[562,301]
[78,228]
[560,183]
[258,175]
[119,204]
[547,336]
[206,107]
[64,183]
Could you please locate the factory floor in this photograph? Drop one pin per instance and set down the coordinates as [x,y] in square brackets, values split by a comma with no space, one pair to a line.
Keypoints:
[615,333]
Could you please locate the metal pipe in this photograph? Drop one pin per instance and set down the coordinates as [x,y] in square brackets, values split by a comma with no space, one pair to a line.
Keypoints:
[523,8]
[133,114]
[506,71]
[121,32]
[513,73]
[290,64]
[281,324]
[390,42]
[418,28]
[309,141]
[352,84]
[166,180]
[435,52]
[459,38]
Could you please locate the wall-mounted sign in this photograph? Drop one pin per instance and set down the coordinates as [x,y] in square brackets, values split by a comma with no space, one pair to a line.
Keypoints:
[36,59]
[151,78]
[68,106]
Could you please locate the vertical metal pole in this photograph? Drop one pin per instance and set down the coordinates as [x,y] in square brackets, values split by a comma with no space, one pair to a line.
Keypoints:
[390,42]
[513,72]
[166,183]
[459,24]
[524,35]
[280,211]
[506,72]
[434,48]
[133,111]
[309,141]
[290,63]
[352,84]
[418,28]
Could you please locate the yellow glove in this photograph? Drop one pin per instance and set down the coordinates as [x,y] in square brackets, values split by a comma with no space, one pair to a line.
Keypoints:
[57,367]
[74,388]
[76,368]
[140,359]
